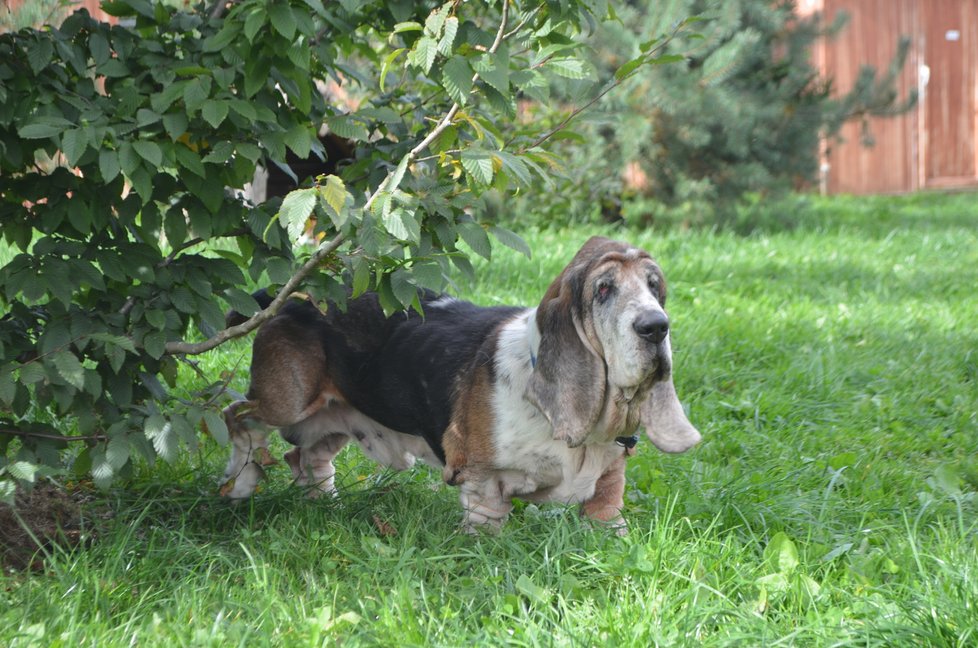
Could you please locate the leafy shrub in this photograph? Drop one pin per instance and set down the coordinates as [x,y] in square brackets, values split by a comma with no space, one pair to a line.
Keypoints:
[120,152]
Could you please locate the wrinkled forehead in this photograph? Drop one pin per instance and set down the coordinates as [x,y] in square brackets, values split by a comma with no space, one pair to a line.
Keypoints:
[626,261]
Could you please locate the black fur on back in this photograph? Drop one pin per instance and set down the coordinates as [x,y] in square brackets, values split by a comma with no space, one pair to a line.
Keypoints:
[401,370]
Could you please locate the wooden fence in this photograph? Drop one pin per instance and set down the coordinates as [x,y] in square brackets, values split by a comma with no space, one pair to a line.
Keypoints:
[936,144]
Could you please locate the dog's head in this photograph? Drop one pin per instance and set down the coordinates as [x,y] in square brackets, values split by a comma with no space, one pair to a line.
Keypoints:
[604,333]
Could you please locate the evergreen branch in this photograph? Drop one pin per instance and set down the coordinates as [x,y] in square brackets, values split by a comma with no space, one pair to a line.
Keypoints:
[611,85]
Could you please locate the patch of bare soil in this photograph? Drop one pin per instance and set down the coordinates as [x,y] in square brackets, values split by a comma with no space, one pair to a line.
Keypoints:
[45,517]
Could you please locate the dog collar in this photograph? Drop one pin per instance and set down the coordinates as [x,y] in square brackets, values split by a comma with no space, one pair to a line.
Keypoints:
[533,360]
[628,442]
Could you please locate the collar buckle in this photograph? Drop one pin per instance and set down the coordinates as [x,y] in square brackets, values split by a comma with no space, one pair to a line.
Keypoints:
[628,442]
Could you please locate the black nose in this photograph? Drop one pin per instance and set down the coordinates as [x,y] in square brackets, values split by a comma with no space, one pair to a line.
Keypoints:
[652,325]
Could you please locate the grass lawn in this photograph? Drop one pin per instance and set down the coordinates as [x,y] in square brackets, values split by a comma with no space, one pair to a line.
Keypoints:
[833,369]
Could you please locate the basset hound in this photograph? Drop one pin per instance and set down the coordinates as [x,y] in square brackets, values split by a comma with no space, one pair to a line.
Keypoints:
[539,403]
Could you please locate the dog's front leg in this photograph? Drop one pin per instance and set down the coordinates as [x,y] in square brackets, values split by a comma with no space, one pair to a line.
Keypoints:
[609,498]
[485,503]
[249,452]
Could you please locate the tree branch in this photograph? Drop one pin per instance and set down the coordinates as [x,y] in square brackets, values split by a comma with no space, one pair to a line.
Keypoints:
[177,346]
[13,431]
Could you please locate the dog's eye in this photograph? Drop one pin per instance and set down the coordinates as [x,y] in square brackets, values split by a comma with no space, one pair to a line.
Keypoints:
[654,287]
[604,290]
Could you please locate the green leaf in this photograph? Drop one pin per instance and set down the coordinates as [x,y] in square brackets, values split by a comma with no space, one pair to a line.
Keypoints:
[282,19]
[457,79]
[216,426]
[175,124]
[536,594]
[155,344]
[428,275]
[569,67]
[244,108]
[254,22]
[164,440]
[74,142]
[406,27]
[667,58]
[145,117]
[115,340]
[214,111]
[108,164]
[345,126]
[629,67]
[515,167]
[478,164]
[189,160]
[8,387]
[299,139]
[31,373]
[223,38]
[386,65]
[196,92]
[22,470]
[39,54]
[44,127]
[295,211]
[361,276]
[117,451]
[69,368]
[149,151]
[423,53]
[448,38]
[402,225]
[241,301]
[511,240]
[395,179]
[404,291]
[494,70]
[128,158]
[334,194]
[436,19]
[781,554]
[477,239]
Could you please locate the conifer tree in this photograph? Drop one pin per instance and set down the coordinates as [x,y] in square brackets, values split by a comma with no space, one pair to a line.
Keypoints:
[743,113]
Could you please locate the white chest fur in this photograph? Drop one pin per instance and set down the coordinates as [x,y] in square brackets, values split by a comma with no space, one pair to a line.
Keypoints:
[531,463]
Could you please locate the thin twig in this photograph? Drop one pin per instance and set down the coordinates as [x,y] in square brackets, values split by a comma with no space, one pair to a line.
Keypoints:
[218,9]
[522,24]
[53,437]
[608,88]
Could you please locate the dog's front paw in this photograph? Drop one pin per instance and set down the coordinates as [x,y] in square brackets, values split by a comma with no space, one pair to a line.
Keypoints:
[243,484]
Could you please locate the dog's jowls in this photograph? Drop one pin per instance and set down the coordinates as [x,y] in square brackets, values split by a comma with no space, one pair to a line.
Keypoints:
[534,403]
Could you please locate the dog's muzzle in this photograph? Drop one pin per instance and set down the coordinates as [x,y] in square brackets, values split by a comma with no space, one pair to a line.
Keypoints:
[652,326]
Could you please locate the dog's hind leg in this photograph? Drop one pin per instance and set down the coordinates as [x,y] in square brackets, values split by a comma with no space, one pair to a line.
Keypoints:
[313,467]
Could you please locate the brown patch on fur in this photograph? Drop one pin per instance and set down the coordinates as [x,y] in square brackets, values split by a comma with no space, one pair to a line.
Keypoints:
[289,373]
[609,494]
[469,442]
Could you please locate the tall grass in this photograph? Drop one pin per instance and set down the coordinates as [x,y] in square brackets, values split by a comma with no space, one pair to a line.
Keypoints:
[833,370]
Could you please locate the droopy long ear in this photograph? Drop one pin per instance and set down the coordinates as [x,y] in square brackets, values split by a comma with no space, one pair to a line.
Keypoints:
[568,382]
[665,421]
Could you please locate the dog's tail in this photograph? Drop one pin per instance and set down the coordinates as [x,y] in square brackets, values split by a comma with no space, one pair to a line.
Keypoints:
[264,299]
